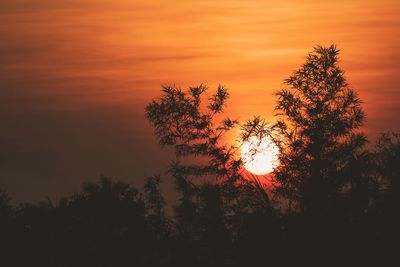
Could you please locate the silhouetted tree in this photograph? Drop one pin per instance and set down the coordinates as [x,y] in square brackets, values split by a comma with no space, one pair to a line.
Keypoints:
[7,244]
[103,225]
[212,192]
[387,162]
[5,205]
[216,202]
[180,122]
[382,227]
[324,173]
[108,224]
[155,206]
[321,114]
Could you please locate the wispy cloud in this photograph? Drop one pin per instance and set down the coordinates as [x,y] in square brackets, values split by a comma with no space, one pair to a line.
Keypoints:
[74,59]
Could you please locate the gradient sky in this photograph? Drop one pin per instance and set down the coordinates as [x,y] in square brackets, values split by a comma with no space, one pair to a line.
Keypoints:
[75,75]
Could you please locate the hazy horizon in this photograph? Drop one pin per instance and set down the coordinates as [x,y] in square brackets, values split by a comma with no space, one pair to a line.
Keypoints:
[76,75]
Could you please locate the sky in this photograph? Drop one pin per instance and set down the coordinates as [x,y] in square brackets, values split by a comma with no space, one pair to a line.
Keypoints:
[75,75]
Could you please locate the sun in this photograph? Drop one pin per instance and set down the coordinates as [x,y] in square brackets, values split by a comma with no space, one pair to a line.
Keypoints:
[259,156]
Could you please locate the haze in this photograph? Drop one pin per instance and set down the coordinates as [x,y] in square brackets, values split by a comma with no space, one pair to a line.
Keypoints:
[76,75]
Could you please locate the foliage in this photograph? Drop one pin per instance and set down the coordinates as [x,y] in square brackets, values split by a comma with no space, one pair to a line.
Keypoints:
[213,194]
[387,160]
[179,122]
[193,129]
[155,206]
[5,200]
[320,115]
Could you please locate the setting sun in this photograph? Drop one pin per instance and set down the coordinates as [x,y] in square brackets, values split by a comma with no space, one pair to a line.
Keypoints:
[259,156]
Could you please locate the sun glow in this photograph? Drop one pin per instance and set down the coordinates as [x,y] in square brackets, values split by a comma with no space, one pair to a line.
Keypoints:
[259,156]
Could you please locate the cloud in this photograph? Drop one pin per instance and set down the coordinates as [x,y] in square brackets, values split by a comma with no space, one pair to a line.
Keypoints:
[75,75]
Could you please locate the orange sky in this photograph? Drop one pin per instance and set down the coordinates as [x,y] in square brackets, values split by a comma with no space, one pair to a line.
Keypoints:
[75,75]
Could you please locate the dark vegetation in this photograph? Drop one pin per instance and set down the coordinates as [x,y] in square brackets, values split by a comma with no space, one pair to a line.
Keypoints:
[333,202]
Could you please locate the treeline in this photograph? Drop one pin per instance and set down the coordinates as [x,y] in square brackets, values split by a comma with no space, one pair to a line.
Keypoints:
[330,201]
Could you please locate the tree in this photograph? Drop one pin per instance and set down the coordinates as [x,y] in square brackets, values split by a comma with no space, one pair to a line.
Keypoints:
[8,243]
[155,206]
[5,206]
[387,160]
[205,171]
[105,224]
[182,121]
[319,117]
[179,122]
